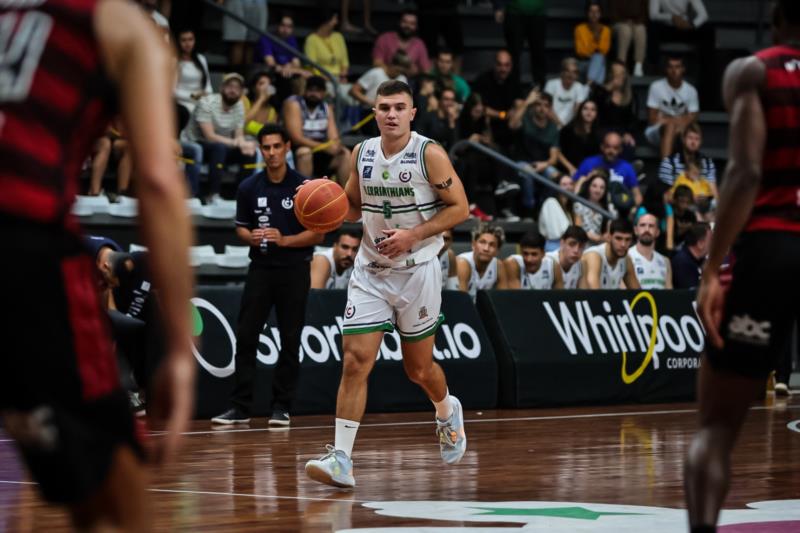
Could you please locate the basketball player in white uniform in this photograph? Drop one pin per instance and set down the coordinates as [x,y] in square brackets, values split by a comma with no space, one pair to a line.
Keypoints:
[447,260]
[530,269]
[568,255]
[332,268]
[607,265]
[480,270]
[405,189]
[652,269]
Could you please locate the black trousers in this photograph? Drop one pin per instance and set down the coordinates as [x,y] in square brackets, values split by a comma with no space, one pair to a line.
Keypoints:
[533,28]
[285,289]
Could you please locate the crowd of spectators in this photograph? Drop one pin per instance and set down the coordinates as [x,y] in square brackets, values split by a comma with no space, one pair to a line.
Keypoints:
[579,129]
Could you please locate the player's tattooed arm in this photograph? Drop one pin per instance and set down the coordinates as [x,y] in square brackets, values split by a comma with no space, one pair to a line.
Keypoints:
[446,184]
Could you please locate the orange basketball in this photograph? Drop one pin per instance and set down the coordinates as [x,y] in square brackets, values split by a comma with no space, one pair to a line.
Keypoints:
[321,205]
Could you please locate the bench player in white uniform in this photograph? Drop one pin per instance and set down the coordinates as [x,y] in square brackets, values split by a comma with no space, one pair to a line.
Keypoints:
[607,265]
[406,191]
[332,268]
[568,255]
[480,269]
[531,269]
[447,260]
[652,269]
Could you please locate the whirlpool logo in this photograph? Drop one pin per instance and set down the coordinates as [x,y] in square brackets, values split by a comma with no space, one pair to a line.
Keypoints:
[634,327]
[216,346]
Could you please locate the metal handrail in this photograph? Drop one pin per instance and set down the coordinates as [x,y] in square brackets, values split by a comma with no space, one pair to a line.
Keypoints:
[280,42]
[525,170]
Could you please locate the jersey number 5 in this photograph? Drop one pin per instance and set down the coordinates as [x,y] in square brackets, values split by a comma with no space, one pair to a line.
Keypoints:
[23,37]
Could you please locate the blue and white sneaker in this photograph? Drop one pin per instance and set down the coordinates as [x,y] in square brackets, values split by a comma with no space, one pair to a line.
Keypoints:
[334,468]
[452,439]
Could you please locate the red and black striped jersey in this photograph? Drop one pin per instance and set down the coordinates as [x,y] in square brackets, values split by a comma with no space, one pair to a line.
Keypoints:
[777,207]
[54,102]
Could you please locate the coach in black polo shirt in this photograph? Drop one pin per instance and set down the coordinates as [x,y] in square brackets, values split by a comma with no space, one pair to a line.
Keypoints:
[280,255]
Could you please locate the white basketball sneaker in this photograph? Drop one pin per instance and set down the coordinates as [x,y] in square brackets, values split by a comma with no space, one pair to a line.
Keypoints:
[452,438]
[334,468]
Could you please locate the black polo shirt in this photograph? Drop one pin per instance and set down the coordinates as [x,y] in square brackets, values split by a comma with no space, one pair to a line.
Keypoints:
[133,294]
[261,203]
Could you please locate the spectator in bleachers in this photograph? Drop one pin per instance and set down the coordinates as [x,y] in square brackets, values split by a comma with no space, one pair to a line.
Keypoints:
[580,138]
[425,95]
[501,93]
[113,143]
[672,105]
[652,269]
[403,39]
[441,124]
[480,269]
[276,57]
[524,20]
[703,179]
[327,47]
[655,203]
[616,106]
[239,37]
[536,142]
[687,264]
[446,77]
[592,42]
[194,80]
[440,17]
[629,18]
[556,214]
[475,169]
[607,265]
[531,269]
[567,91]
[367,12]
[215,133]
[620,172]
[258,104]
[366,88]
[594,189]
[332,268]
[684,213]
[311,126]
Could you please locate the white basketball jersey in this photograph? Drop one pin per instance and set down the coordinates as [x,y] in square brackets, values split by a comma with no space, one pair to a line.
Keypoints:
[610,277]
[395,194]
[570,278]
[476,281]
[335,281]
[444,262]
[541,279]
[651,274]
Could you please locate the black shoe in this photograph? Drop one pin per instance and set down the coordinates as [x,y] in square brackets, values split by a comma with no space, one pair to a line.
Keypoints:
[280,417]
[231,416]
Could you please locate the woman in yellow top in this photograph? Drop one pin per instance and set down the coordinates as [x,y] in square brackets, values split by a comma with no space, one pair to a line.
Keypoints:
[592,42]
[327,48]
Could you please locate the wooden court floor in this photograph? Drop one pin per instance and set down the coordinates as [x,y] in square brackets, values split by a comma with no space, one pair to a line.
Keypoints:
[598,469]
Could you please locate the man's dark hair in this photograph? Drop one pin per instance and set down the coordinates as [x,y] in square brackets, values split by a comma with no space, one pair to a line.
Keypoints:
[400,59]
[532,239]
[621,225]
[408,11]
[575,232]
[673,57]
[591,3]
[316,82]
[392,87]
[547,97]
[349,232]
[696,233]
[444,50]
[790,10]
[682,191]
[693,127]
[272,129]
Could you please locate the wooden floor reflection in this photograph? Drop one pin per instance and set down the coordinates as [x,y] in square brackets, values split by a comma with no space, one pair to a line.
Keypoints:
[253,480]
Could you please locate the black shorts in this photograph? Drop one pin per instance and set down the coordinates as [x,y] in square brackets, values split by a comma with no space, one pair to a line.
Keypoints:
[762,304]
[59,387]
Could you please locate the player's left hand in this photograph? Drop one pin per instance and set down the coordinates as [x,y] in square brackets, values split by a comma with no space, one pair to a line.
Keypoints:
[397,242]
[710,306]
[273,235]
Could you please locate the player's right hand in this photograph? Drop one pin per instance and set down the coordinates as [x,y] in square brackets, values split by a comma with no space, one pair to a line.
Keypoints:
[172,402]
[256,236]
[710,306]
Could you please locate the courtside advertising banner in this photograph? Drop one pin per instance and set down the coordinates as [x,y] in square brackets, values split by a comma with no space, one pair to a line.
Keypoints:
[462,348]
[583,347]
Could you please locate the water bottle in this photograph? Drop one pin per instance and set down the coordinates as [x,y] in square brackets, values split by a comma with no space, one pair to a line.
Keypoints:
[263,246]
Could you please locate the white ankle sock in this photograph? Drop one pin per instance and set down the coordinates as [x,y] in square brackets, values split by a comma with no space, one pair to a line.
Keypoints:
[345,435]
[444,408]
